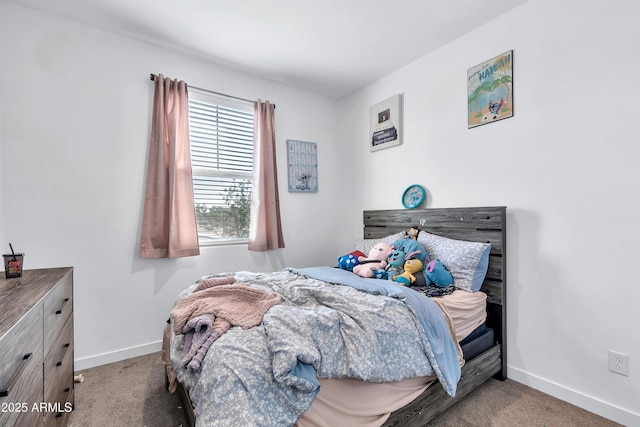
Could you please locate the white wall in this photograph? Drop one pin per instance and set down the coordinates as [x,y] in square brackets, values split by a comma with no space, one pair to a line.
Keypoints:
[76,108]
[566,167]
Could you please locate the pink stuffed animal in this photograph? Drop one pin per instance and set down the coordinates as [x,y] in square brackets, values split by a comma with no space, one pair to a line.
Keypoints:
[377,259]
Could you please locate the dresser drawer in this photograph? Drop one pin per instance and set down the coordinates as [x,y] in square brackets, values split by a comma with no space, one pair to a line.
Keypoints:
[61,409]
[58,306]
[21,358]
[58,365]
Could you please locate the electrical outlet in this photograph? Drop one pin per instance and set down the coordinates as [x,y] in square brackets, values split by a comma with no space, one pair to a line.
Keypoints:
[619,363]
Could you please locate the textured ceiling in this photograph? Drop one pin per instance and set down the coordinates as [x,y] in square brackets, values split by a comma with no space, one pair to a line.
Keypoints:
[330,47]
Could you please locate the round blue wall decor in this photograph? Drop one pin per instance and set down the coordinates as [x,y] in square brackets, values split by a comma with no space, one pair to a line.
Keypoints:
[413,196]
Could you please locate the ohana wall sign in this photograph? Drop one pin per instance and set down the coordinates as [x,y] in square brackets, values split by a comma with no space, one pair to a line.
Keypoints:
[302,166]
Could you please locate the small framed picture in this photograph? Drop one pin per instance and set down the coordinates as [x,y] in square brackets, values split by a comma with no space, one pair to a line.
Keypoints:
[386,123]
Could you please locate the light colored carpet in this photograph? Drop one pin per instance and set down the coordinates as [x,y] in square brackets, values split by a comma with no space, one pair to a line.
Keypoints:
[128,393]
[511,404]
[132,393]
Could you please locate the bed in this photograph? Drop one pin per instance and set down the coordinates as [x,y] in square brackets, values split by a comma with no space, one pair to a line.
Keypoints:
[316,385]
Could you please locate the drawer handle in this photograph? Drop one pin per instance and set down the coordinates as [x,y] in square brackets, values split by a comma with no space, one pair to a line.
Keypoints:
[66,397]
[66,348]
[4,390]
[59,311]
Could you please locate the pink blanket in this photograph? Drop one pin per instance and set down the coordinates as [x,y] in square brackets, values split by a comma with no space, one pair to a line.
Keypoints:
[212,309]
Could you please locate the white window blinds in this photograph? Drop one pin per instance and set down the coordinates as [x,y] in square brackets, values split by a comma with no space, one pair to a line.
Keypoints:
[221,134]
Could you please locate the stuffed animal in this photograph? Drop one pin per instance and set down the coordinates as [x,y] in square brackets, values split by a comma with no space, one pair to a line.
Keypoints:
[437,274]
[412,233]
[395,261]
[411,266]
[412,249]
[381,273]
[376,260]
[350,260]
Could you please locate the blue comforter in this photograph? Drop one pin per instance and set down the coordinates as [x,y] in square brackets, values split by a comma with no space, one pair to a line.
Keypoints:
[428,313]
[331,324]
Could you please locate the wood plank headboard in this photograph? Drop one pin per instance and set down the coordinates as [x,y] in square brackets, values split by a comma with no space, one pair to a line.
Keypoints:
[477,224]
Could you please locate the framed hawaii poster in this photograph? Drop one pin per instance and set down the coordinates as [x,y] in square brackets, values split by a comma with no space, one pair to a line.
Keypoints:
[302,166]
[490,90]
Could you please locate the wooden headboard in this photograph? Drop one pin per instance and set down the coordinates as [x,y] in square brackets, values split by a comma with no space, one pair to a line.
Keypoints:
[477,224]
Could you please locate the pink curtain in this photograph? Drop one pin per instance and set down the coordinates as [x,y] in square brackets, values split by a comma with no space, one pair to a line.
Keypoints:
[169,221]
[265,228]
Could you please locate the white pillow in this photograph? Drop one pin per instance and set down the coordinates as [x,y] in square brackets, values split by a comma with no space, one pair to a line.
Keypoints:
[467,261]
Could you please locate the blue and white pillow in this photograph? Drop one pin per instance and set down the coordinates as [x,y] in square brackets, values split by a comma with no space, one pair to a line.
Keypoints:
[467,261]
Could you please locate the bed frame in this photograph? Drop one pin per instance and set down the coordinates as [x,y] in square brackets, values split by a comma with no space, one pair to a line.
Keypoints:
[483,224]
[486,224]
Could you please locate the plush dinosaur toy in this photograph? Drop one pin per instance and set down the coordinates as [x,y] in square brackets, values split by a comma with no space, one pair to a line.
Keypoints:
[411,266]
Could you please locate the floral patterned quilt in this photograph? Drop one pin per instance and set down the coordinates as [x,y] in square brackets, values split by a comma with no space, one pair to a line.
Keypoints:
[369,329]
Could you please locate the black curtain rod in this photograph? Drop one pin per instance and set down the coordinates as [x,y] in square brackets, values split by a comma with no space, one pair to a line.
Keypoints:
[153,77]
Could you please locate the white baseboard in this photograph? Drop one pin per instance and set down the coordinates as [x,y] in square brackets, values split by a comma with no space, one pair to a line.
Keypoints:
[116,356]
[604,409]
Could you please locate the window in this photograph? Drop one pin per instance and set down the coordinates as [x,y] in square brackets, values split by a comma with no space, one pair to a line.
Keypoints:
[221,133]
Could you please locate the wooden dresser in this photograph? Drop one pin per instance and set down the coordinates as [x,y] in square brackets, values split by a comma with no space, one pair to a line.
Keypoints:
[36,348]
